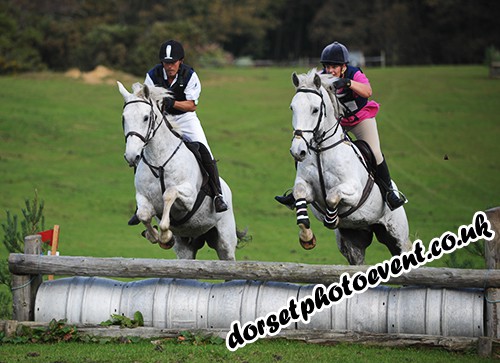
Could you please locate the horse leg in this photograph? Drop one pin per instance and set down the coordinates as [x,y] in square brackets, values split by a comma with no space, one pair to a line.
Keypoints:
[352,244]
[394,233]
[387,239]
[150,233]
[331,220]
[184,248]
[223,238]
[306,236]
[145,213]
[169,198]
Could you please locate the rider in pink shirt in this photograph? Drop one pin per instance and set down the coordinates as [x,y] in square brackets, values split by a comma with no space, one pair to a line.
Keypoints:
[352,89]
[370,110]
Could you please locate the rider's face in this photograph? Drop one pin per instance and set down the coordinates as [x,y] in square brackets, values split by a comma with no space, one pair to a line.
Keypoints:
[172,68]
[335,70]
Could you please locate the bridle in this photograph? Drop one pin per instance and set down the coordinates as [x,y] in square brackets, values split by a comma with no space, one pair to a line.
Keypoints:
[157,171]
[318,136]
[151,124]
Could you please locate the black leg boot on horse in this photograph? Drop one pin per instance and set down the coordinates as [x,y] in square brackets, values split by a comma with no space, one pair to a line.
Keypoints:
[393,198]
[287,199]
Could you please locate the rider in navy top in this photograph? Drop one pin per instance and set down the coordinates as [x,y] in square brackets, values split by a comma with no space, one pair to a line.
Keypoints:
[185,86]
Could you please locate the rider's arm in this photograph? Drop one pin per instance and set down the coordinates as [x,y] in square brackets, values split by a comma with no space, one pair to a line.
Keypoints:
[188,105]
[192,92]
[361,85]
[362,89]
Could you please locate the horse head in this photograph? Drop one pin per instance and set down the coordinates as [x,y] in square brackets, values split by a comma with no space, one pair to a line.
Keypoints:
[312,110]
[141,118]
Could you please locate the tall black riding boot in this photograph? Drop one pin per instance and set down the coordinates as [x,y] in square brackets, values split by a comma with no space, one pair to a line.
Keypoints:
[392,197]
[286,199]
[134,220]
[214,180]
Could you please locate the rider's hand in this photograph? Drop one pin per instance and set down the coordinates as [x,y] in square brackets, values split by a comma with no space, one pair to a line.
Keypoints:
[168,104]
[341,83]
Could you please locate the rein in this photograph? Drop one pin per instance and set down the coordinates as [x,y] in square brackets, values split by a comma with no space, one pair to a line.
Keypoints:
[318,149]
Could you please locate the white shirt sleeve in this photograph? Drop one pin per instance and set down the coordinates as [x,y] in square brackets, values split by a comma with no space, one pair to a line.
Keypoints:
[148,81]
[193,88]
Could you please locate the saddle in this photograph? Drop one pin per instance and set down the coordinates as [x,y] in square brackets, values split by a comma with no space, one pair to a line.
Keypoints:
[197,148]
[368,156]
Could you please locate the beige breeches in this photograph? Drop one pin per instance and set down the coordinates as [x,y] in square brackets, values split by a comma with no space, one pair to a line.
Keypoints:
[367,131]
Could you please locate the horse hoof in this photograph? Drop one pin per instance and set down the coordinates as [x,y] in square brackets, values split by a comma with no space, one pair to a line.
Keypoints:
[308,245]
[168,245]
[147,236]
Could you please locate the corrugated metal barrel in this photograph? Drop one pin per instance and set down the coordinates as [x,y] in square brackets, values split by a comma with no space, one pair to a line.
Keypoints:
[190,304]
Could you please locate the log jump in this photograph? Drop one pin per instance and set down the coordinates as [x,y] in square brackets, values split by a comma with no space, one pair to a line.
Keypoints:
[432,302]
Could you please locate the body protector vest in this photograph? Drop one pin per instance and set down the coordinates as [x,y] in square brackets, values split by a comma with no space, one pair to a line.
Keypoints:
[183,77]
[346,97]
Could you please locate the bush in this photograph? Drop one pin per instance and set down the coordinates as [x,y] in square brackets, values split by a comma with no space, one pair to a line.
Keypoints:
[13,241]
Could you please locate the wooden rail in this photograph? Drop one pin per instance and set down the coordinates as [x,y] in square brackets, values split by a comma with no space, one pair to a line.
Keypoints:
[22,264]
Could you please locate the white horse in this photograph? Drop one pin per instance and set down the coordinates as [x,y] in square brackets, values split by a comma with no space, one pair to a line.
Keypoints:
[335,179]
[169,182]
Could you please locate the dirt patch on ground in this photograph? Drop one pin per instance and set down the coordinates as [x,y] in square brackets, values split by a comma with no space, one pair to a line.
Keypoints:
[101,75]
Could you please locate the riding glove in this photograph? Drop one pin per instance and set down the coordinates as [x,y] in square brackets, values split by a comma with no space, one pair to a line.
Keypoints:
[341,83]
[168,104]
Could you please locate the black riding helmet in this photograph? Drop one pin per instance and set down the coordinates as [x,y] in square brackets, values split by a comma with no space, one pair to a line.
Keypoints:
[335,53]
[171,51]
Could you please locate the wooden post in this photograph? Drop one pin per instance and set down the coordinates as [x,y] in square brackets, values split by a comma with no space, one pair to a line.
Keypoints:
[24,287]
[492,255]
[55,245]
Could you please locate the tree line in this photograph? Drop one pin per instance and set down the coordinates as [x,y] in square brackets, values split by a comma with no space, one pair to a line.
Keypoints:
[126,34]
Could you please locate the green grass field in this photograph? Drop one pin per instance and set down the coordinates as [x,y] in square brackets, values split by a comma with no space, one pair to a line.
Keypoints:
[64,138]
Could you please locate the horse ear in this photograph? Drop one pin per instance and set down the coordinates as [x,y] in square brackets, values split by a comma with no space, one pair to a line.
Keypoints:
[295,79]
[317,81]
[146,91]
[123,90]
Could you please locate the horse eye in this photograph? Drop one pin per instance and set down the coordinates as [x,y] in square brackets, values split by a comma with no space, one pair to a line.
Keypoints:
[146,118]
[315,110]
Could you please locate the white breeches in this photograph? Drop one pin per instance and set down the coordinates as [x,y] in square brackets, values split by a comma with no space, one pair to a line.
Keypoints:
[190,127]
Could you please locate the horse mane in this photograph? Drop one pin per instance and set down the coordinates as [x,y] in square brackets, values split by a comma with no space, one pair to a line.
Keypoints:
[155,94]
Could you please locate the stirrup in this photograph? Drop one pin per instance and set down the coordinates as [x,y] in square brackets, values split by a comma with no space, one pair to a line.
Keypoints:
[397,201]
[219,204]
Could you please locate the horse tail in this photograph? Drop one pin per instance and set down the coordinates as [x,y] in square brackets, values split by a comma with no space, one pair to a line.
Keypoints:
[243,237]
